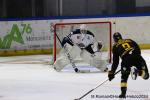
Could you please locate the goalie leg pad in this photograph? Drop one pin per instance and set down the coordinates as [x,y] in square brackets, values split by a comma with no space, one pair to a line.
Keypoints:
[75,52]
[95,60]
[60,63]
[63,60]
[99,62]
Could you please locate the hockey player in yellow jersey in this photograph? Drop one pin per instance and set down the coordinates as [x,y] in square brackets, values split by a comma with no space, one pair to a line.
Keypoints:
[132,61]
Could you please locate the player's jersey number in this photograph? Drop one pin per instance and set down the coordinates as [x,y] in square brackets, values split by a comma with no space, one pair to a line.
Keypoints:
[126,46]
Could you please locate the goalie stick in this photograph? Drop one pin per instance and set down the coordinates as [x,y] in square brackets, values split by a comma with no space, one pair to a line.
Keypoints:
[96,87]
[70,59]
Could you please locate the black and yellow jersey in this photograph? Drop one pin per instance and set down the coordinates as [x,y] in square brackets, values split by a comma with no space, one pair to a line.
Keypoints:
[122,48]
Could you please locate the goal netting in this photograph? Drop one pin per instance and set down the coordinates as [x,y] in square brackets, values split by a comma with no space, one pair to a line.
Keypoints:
[101,30]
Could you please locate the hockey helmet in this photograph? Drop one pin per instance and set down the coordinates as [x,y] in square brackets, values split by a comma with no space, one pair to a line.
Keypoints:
[83,28]
[117,36]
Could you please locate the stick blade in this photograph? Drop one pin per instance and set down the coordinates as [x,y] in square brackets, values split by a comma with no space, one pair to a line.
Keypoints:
[83,71]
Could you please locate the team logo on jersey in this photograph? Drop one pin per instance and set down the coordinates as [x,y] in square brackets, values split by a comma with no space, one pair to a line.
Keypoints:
[78,37]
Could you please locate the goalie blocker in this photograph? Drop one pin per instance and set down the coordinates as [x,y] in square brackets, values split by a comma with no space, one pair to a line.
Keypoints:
[80,56]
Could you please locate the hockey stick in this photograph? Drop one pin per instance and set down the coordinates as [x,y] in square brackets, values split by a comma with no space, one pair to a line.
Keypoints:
[81,71]
[68,55]
[96,87]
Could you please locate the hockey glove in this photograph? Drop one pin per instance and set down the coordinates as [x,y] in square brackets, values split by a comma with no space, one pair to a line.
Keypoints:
[111,75]
[99,46]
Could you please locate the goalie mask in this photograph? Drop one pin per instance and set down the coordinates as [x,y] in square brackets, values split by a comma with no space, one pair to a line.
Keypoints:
[117,36]
[83,28]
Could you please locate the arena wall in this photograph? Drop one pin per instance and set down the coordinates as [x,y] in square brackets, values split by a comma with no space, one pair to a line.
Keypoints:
[23,37]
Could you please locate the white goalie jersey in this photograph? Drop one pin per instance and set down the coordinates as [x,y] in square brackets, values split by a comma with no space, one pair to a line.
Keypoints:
[82,39]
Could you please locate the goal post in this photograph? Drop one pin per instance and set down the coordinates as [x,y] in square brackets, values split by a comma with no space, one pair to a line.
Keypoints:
[101,30]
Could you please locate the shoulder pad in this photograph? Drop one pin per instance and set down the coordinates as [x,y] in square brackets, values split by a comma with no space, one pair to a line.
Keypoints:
[77,31]
[90,33]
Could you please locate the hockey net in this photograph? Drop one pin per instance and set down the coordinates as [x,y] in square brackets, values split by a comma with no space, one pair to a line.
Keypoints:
[101,30]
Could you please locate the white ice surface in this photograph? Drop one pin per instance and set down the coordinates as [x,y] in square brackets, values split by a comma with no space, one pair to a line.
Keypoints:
[42,82]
